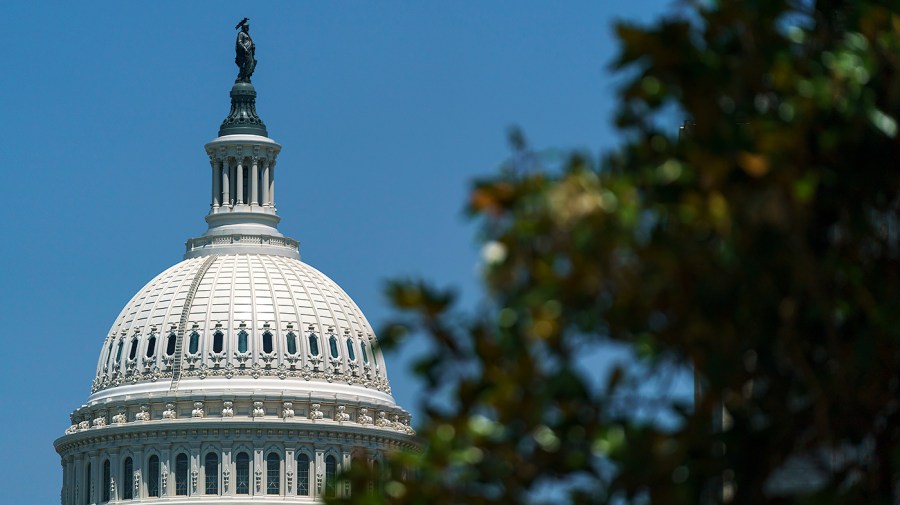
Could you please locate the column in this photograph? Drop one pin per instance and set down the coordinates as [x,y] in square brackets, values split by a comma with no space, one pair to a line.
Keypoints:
[68,481]
[254,182]
[96,478]
[319,485]
[115,491]
[135,479]
[64,495]
[290,472]
[225,182]
[272,183]
[216,177]
[77,478]
[232,196]
[239,181]
[164,474]
[195,469]
[227,471]
[259,475]
[265,183]
[345,466]
[370,462]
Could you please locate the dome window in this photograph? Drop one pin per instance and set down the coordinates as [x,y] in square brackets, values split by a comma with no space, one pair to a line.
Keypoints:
[350,354]
[127,470]
[194,343]
[181,475]
[119,350]
[332,343]
[242,473]
[267,342]
[153,476]
[132,352]
[313,344]
[242,341]
[330,473]
[211,473]
[170,344]
[109,352]
[273,474]
[290,341]
[362,347]
[218,342]
[104,482]
[302,475]
[151,346]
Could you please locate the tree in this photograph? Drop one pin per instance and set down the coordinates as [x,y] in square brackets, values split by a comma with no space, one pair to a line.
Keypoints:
[760,251]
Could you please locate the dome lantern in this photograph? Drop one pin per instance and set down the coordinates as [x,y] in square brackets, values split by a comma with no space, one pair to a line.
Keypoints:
[242,215]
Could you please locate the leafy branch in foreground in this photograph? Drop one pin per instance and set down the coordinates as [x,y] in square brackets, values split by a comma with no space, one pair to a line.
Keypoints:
[760,250]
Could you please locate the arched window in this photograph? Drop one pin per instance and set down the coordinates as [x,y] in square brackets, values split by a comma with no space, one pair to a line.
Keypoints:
[313,344]
[104,482]
[242,341]
[151,346]
[290,341]
[119,351]
[242,473]
[302,475]
[127,487]
[88,477]
[350,354]
[132,352]
[211,473]
[273,474]
[267,342]
[330,474]
[109,351]
[332,342]
[218,341]
[170,345]
[181,475]
[195,343]
[362,347]
[153,476]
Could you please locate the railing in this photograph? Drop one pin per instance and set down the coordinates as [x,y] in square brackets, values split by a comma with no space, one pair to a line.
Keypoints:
[240,239]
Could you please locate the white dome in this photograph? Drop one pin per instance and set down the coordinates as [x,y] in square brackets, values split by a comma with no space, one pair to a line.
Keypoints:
[239,362]
[244,311]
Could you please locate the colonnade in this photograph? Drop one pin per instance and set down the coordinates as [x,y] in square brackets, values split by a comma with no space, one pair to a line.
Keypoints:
[247,180]
[196,469]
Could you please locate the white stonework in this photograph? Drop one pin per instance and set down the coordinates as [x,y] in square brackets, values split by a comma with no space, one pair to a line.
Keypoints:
[250,294]
[240,372]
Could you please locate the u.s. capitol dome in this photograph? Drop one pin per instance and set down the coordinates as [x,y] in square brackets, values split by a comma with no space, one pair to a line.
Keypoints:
[240,372]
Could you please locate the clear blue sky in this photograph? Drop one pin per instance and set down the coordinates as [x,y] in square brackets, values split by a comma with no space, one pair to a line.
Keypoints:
[386,111]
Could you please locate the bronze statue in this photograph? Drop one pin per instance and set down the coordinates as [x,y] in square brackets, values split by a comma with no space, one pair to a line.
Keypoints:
[245,52]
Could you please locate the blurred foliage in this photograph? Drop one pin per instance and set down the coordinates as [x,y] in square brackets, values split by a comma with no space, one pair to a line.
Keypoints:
[758,248]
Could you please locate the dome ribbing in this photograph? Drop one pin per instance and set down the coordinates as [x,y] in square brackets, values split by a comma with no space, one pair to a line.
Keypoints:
[252,316]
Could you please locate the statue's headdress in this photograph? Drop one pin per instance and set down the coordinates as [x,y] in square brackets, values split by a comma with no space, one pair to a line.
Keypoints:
[242,23]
